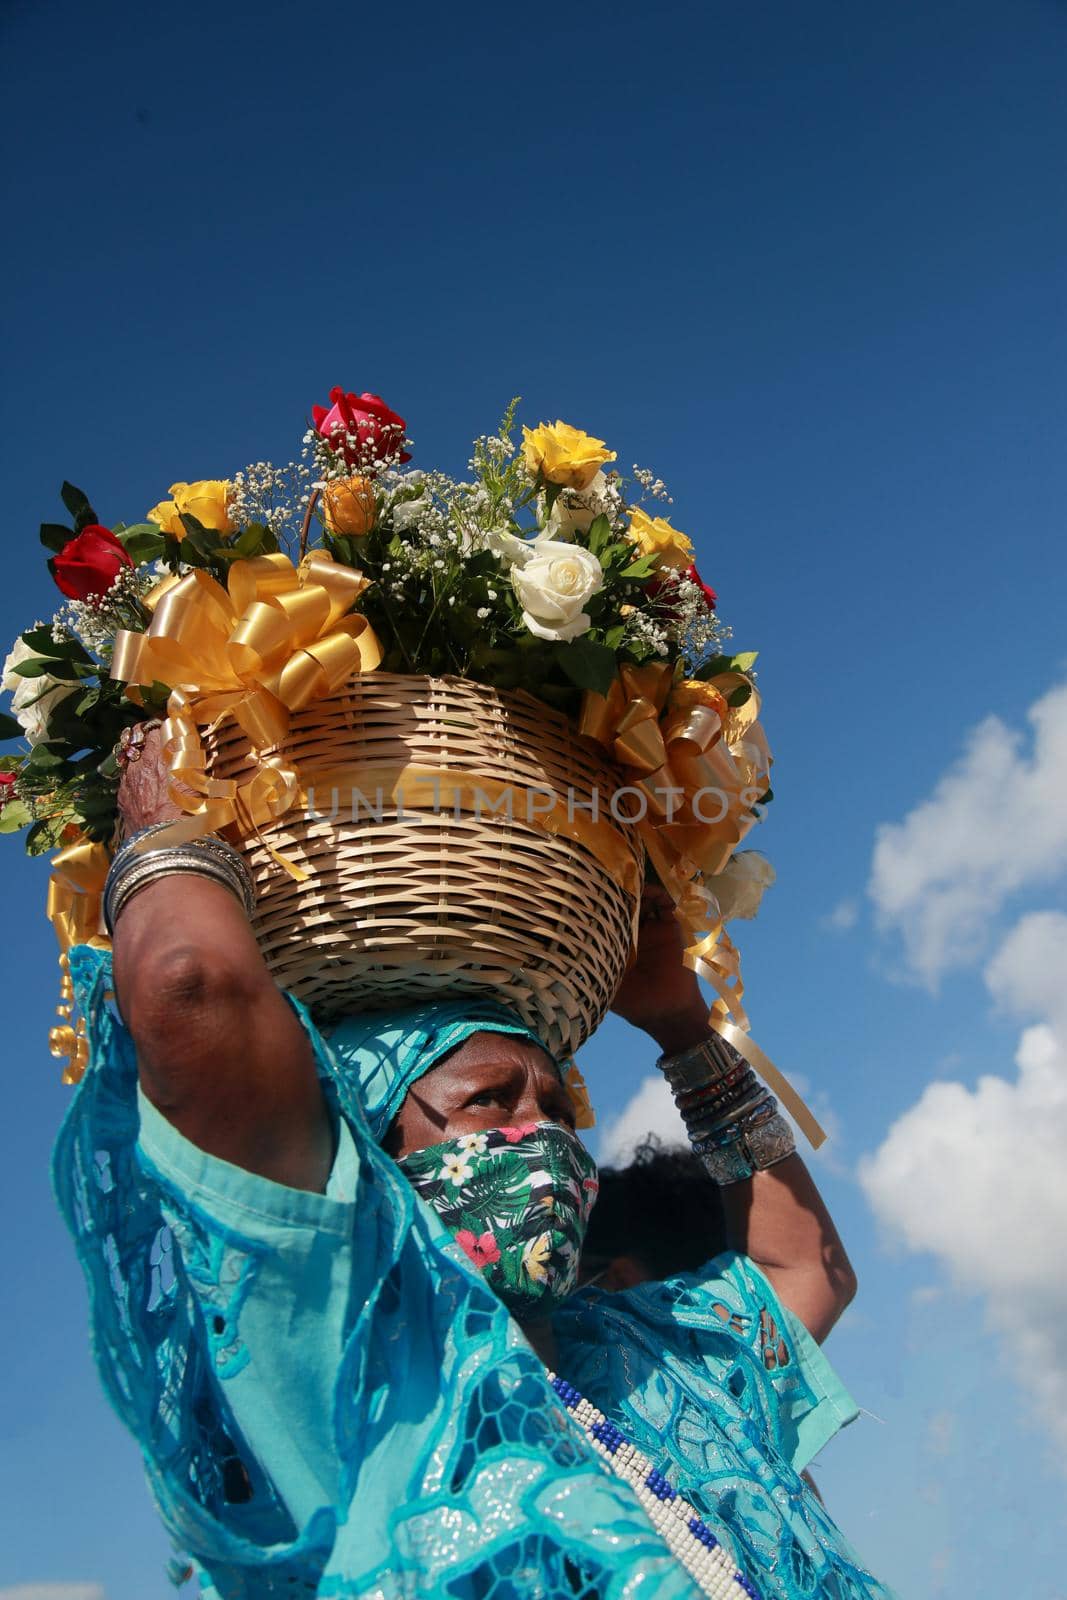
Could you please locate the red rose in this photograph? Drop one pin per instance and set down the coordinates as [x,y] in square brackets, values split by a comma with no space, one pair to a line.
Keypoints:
[7,787]
[89,563]
[370,431]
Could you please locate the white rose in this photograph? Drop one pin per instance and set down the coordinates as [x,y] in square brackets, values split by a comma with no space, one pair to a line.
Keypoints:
[553,584]
[514,550]
[32,699]
[575,510]
[739,887]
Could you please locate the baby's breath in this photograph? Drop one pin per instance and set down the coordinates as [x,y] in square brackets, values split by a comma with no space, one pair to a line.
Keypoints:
[651,484]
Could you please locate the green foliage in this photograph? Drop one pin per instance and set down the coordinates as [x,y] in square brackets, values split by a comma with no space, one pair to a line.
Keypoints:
[143,542]
[15,816]
[41,640]
[587,664]
[719,664]
[77,503]
[55,535]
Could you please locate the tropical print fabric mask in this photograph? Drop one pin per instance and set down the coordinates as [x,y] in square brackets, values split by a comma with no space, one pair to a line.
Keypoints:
[517,1201]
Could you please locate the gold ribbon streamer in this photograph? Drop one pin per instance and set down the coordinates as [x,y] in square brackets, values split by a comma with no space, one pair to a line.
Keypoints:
[75,910]
[681,743]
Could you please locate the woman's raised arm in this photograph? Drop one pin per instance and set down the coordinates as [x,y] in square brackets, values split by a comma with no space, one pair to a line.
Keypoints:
[220,1052]
[777,1217]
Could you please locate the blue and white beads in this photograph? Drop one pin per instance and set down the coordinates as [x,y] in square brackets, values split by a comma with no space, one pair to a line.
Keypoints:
[683,1530]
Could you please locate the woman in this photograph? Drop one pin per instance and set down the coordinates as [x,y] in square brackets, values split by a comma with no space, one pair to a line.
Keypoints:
[328,1375]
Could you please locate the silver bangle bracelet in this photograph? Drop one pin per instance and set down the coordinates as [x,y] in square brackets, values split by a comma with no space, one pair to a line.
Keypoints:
[730,1116]
[700,1066]
[165,864]
[758,1148]
[134,868]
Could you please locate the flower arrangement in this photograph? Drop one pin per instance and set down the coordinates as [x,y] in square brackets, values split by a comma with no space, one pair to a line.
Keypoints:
[535,572]
[544,569]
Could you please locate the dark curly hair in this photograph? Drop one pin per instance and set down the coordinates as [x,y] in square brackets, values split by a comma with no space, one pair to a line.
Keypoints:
[663,1209]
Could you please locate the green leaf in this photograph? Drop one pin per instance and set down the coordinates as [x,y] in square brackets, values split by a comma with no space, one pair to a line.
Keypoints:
[54,535]
[34,668]
[204,540]
[643,567]
[44,759]
[45,835]
[588,664]
[63,668]
[599,533]
[98,802]
[143,542]
[15,816]
[740,696]
[254,541]
[77,503]
[614,636]
[718,664]
[190,555]
[173,547]
[40,639]
[9,727]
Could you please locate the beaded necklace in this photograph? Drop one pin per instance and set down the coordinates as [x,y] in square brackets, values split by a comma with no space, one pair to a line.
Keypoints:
[683,1530]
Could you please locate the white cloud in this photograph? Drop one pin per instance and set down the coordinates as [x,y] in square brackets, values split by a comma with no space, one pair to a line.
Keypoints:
[843,917]
[650,1110]
[978,1176]
[54,1591]
[995,823]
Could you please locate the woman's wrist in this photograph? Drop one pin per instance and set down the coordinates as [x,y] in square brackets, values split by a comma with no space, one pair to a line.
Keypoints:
[680,1028]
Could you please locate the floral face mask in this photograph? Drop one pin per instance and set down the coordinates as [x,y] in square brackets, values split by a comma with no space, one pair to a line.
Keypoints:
[517,1200]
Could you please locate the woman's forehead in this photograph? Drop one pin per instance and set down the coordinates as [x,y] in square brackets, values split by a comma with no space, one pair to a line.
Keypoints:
[487,1049]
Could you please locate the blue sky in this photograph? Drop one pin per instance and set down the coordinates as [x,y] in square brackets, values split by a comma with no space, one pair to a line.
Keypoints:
[807,262]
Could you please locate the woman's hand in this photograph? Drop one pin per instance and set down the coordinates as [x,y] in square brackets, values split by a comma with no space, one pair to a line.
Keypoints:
[144,793]
[659,994]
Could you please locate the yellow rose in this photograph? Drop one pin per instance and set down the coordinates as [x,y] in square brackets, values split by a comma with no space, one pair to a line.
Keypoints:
[654,536]
[206,501]
[166,515]
[349,506]
[563,454]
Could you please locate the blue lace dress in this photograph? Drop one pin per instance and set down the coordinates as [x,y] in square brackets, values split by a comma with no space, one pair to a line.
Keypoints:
[330,1402]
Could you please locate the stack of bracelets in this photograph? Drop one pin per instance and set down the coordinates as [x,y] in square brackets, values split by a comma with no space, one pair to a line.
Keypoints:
[732,1120]
[138,864]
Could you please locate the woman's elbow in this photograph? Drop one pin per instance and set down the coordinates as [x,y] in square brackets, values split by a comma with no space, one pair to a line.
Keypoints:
[179,1002]
[845,1285]
[836,1292]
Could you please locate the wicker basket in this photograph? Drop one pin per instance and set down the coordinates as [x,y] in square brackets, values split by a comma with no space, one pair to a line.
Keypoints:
[401,906]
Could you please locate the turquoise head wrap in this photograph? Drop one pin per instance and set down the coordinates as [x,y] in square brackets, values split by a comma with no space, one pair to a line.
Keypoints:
[383,1053]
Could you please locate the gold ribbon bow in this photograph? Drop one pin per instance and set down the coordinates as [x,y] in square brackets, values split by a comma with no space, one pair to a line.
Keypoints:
[276,638]
[699,765]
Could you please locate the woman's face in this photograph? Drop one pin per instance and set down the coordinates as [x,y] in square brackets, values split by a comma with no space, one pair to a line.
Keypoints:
[492,1080]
